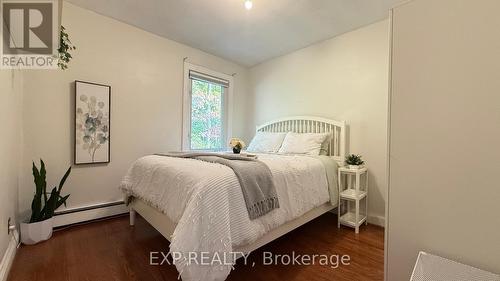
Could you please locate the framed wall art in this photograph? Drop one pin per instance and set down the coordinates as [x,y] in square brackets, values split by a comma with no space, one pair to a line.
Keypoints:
[92,123]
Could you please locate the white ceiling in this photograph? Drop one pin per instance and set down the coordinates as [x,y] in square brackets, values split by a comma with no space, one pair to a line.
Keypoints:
[226,29]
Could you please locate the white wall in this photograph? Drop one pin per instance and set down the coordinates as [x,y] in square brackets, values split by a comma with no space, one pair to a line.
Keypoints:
[146,75]
[10,149]
[445,134]
[344,78]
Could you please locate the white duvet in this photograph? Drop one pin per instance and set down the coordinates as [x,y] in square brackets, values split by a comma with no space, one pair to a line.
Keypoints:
[206,202]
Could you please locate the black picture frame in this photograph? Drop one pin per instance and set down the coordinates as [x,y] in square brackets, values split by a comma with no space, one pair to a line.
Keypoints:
[76,156]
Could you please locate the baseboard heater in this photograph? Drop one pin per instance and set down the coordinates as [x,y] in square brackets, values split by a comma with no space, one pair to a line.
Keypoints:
[89,213]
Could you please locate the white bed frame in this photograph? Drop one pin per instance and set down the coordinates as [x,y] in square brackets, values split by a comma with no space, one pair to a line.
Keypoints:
[299,124]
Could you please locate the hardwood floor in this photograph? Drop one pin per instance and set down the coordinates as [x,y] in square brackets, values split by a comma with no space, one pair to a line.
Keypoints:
[112,250]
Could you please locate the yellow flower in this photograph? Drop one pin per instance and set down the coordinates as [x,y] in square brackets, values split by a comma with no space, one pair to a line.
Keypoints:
[235,142]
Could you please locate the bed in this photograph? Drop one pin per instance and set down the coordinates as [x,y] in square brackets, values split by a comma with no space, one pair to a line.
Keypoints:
[204,218]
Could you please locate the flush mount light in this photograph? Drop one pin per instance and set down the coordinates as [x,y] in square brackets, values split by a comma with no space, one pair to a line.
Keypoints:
[248,4]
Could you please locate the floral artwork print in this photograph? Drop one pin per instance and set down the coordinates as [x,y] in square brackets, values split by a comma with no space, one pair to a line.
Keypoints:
[92,125]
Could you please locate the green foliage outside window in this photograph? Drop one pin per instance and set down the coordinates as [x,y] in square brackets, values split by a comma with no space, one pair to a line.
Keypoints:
[206,116]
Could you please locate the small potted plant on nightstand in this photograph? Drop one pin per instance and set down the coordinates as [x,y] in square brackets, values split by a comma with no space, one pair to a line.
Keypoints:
[354,161]
[39,227]
[237,145]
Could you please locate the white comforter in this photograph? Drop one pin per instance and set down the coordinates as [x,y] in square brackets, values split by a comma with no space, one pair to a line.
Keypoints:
[206,202]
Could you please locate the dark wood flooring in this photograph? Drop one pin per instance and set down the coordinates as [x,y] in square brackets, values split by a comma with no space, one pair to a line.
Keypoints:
[111,250]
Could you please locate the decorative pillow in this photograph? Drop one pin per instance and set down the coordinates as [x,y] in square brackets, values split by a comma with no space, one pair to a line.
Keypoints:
[266,142]
[325,144]
[303,143]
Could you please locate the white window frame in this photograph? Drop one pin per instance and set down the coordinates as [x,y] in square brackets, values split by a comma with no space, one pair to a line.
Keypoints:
[186,108]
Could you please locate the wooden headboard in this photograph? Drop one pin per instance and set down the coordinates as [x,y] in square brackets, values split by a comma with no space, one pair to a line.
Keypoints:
[311,124]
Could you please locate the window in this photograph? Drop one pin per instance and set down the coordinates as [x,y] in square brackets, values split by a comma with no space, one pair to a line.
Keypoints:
[206,115]
[206,109]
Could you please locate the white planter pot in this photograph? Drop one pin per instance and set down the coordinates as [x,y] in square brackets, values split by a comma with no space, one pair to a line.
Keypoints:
[32,233]
[355,167]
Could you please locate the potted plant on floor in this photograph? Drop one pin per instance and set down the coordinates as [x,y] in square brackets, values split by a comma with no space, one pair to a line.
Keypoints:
[39,227]
[354,161]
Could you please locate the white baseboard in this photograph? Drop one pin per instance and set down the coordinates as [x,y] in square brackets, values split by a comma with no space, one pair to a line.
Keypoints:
[8,257]
[377,220]
[88,213]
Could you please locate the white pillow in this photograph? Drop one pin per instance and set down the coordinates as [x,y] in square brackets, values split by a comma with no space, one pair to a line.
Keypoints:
[303,143]
[266,142]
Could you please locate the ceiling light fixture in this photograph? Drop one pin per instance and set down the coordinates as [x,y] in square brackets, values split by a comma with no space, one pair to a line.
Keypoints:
[248,4]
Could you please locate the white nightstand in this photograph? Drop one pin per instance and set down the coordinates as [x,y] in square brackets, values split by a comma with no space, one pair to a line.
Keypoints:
[353,188]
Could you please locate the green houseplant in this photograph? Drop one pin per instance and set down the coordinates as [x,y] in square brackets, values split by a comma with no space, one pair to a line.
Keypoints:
[65,46]
[354,161]
[43,206]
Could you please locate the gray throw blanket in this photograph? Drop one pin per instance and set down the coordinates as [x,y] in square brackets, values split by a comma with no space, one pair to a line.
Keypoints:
[255,179]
